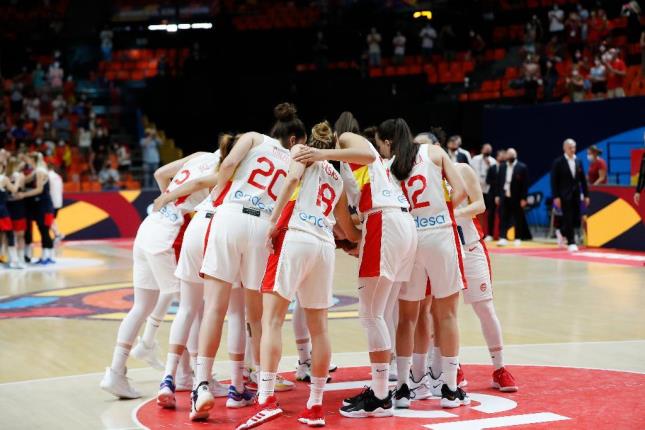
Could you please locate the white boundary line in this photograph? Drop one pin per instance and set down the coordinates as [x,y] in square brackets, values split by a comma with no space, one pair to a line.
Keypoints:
[135,411]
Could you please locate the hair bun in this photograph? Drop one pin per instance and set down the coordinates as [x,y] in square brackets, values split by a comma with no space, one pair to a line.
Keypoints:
[285,112]
[322,132]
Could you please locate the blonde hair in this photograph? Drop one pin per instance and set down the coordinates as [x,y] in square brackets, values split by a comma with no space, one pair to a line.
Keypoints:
[322,136]
[39,159]
[12,166]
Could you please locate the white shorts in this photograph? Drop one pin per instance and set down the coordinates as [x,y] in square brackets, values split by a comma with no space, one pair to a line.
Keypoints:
[478,273]
[191,256]
[439,259]
[236,250]
[388,245]
[303,267]
[154,271]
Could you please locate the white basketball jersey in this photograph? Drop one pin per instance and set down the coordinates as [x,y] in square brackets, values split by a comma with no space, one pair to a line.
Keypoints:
[259,177]
[195,168]
[426,191]
[369,187]
[471,229]
[311,207]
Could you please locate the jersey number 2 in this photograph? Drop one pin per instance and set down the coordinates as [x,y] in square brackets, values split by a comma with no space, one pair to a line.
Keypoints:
[266,172]
[416,194]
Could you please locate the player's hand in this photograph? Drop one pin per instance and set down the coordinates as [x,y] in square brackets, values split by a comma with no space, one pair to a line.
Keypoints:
[159,203]
[523,203]
[587,202]
[557,202]
[637,198]
[272,234]
[497,201]
[309,155]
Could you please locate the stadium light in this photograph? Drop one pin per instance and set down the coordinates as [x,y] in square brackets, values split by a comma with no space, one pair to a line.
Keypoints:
[183,26]
[173,28]
[422,14]
[204,25]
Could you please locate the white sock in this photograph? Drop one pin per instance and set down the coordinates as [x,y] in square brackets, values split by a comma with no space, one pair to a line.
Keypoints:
[498,358]
[193,362]
[149,333]
[266,386]
[316,391]
[449,367]
[237,378]
[436,365]
[203,369]
[119,358]
[184,363]
[29,250]
[403,370]
[380,374]
[172,361]
[13,255]
[304,352]
[418,366]
[46,253]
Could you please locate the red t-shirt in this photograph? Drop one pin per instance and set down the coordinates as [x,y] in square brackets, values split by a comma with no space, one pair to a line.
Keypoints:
[614,80]
[594,170]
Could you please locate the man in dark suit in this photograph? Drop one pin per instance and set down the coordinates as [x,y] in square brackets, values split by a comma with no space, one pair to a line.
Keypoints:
[492,180]
[512,189]
[567,181]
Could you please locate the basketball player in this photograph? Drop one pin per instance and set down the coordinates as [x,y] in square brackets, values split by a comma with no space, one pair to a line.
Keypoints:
[478,275]
[251,176]
[154,264]
[17,210]
[386,252]
[302,265]
[191,303]
[421,170]
[6,228]
[303,345]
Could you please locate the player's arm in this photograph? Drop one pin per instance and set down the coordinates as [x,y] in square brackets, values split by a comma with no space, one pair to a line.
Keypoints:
[237,154]
[296,170]
[10,185]
[353,149]
[40,184]
[185,189]
[476,203]
[454,179]
[344,220]
[165,173]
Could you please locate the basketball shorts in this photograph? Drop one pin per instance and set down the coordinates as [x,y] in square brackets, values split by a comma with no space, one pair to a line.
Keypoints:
[154,271]
[301,266]
[388,245]
[236,249]
[18,213]
[478,273]
[438,259]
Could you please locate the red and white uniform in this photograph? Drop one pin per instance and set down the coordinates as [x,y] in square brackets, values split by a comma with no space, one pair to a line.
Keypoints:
[302,264]
[389,237]
[439,255]
[476,261]
[158,240]
[235,251]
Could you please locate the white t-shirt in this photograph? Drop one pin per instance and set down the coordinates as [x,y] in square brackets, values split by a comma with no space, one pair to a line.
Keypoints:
[399,45]
[428,35]
[56,189]
[509,178]
[374,42]
[556,20]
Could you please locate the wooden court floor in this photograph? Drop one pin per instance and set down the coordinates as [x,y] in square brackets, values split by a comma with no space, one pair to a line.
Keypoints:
[58,325]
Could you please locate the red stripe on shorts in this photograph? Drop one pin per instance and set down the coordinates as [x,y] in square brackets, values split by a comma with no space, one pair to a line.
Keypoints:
[268,282]
[428,288]
[371,260]
[176,246]
[5,224]
[19,224]
[218,201]
[490,272]
[206,236]
[49,219]
[365,202]
[457,244]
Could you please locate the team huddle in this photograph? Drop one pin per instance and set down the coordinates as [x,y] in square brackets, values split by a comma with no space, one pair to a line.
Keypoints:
[269,213]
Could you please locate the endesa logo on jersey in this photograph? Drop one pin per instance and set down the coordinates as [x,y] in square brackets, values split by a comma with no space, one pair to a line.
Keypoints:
[255,201]
[430,221]
[170,212]
[316,221]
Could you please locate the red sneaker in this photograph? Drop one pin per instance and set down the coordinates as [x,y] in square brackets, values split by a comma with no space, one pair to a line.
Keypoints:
[461,378]
[504,381]
[263,412]
[314,417]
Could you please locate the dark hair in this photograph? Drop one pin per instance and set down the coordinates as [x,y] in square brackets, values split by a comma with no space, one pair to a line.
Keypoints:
[441,135]
[288,124]
[226,143]
[346,123]
[402,145]
[370,134]
[322,137]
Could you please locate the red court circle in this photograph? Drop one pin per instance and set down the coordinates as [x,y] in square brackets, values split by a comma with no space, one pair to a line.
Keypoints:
[549,398]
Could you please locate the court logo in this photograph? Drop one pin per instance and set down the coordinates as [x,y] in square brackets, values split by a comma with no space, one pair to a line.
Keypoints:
[102,302]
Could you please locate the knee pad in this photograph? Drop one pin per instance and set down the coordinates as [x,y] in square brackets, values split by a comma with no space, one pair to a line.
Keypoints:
[378,335]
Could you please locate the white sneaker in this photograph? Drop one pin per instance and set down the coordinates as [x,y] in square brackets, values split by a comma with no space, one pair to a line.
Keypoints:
[201,402]
[303,371]
[150,355]
[488,238]
[420,390]
[118,385]
[435,384]
[572,248]
[517,242]
[16,265]
[216,388]
[502,242]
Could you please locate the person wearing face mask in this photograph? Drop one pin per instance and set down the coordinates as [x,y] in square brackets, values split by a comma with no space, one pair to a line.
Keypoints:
[597,174]
[482,163]
[512,190]
[455,152]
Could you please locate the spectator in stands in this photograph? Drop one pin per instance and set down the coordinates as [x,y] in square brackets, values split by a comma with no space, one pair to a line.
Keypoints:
[447,41]
[567,182]
[556,21]
[616,71]
[512,191]
[55,76]
[59,105]
[32,107]
[476,45]
[632,11]
[398,44]
[482,163]
[455,152]
[84,140]
[583,13]
[573,30]
[597,173]
[598,27]
[598,78]
[532,77]
[530,37]
[109,177]
[549,79]
[150,153]
[16,99]
[428,36]
[123,157]
[38,78]
[64,155]
[576,85]
[106,43]
[374,48]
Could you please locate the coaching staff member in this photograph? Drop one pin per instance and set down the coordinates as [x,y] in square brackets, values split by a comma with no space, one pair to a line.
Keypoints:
[567,180]
[512,190]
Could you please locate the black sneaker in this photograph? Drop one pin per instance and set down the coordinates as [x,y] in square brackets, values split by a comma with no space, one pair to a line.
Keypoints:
[453,399]
[357,398]
[369,406]
[402,397]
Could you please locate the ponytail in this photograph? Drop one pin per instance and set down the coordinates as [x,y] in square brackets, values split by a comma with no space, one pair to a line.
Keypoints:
[403,148]
[346,123]
[288,124]
[226,142]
